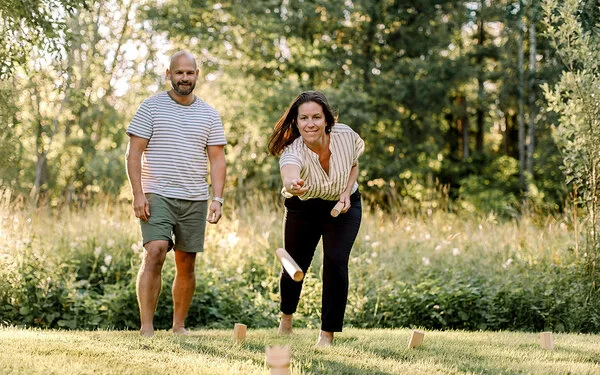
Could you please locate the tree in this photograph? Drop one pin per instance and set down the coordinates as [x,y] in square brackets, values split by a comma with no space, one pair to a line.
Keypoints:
[575,99]
[25,25]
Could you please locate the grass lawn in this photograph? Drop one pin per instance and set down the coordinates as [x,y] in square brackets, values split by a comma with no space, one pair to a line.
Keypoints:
[356,351]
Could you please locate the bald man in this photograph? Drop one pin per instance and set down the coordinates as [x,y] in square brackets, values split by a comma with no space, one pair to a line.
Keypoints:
[174,136]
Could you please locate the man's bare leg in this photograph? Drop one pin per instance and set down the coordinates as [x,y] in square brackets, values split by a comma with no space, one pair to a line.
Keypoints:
[149,282]
[183,289]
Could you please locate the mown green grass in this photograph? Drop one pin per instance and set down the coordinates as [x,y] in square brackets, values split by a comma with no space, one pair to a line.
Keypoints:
[357,351]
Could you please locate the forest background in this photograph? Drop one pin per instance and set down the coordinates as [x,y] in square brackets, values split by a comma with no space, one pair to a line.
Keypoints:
[475,114]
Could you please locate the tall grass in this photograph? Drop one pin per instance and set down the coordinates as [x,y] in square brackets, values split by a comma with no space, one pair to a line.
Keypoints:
[437,269]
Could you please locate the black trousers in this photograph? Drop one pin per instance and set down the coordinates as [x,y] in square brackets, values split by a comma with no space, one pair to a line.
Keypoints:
[305,222]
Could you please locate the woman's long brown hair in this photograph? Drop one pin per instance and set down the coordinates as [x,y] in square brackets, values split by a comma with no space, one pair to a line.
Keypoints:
[286,128]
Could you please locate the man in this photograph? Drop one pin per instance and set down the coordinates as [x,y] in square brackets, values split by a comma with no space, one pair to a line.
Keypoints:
[174,135]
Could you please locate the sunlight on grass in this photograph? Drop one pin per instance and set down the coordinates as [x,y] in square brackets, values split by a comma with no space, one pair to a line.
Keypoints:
[356,352]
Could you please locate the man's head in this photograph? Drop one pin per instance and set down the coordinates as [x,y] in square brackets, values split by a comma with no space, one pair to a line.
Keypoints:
[183,73]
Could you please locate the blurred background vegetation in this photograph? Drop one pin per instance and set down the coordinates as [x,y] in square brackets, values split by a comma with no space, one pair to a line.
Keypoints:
[467,108]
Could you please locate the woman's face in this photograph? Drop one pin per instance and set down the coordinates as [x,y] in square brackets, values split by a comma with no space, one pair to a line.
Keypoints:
[311,122]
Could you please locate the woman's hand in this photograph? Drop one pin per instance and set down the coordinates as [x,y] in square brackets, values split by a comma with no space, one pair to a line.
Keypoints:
[345,199]
[296,187]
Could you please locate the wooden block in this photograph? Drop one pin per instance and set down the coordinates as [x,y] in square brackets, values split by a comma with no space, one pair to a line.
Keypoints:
[546,340]
[335,211]
[289,264]
[416,338]
[239,333]
[278,359]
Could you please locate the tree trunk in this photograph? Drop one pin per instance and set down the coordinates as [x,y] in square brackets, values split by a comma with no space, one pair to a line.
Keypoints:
[532,109]
[522,166]
[463,125]
[480,84]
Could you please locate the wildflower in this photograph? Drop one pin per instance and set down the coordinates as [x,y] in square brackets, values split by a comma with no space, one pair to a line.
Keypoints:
[455,251]
[507,263]
[426,261]
[437,307]
[367,237]
[375,244]
[233,239]
[107,259]
[97,251]
[103,269]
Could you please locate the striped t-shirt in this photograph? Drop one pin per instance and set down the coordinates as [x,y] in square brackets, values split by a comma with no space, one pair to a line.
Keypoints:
[175,162]
[345,146]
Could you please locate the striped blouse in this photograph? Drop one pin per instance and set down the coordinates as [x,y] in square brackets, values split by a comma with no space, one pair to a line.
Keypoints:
[175,162]
[345,146]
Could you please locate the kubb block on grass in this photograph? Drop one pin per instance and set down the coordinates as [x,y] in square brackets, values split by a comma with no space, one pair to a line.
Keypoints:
[416,338]
[239,333]
[546,340]
[278,359]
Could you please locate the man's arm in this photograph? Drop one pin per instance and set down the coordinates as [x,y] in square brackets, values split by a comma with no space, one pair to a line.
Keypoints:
[136,148]
[218,171]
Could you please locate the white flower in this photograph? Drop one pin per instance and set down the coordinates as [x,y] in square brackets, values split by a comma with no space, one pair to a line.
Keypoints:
[367,237]
[110,243]
[137,247]
[103,269]
[97,251]
[507,263]
[426,261]
[375,244]
[107,259]
[233,239]
[455,251]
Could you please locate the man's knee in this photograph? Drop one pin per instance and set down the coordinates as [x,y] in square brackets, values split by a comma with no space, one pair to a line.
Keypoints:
[185,262]
[155,253]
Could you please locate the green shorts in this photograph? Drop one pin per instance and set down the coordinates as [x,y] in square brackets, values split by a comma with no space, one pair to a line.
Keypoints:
[179,221]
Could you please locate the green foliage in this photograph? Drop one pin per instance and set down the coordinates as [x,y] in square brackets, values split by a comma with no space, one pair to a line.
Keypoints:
[71,270]
[575,99]
[25,25]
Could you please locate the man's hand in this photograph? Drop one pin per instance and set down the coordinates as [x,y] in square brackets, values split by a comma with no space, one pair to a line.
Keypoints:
[141,207]
[214,212]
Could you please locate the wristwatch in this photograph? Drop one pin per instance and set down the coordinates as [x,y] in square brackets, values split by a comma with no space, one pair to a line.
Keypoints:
[219,199]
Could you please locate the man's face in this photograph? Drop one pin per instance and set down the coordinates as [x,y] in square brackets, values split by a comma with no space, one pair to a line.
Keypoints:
[183,75]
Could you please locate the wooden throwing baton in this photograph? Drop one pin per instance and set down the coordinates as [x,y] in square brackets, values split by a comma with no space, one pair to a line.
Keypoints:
[335,211]
[289,264]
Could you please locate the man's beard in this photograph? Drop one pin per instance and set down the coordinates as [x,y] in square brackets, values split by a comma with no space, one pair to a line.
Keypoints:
[183,91]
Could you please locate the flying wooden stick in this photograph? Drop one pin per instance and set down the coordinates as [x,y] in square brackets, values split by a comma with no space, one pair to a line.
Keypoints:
[335,211]
[289,264]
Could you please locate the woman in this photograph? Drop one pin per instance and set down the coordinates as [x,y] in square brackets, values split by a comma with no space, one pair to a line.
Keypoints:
[319,168]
